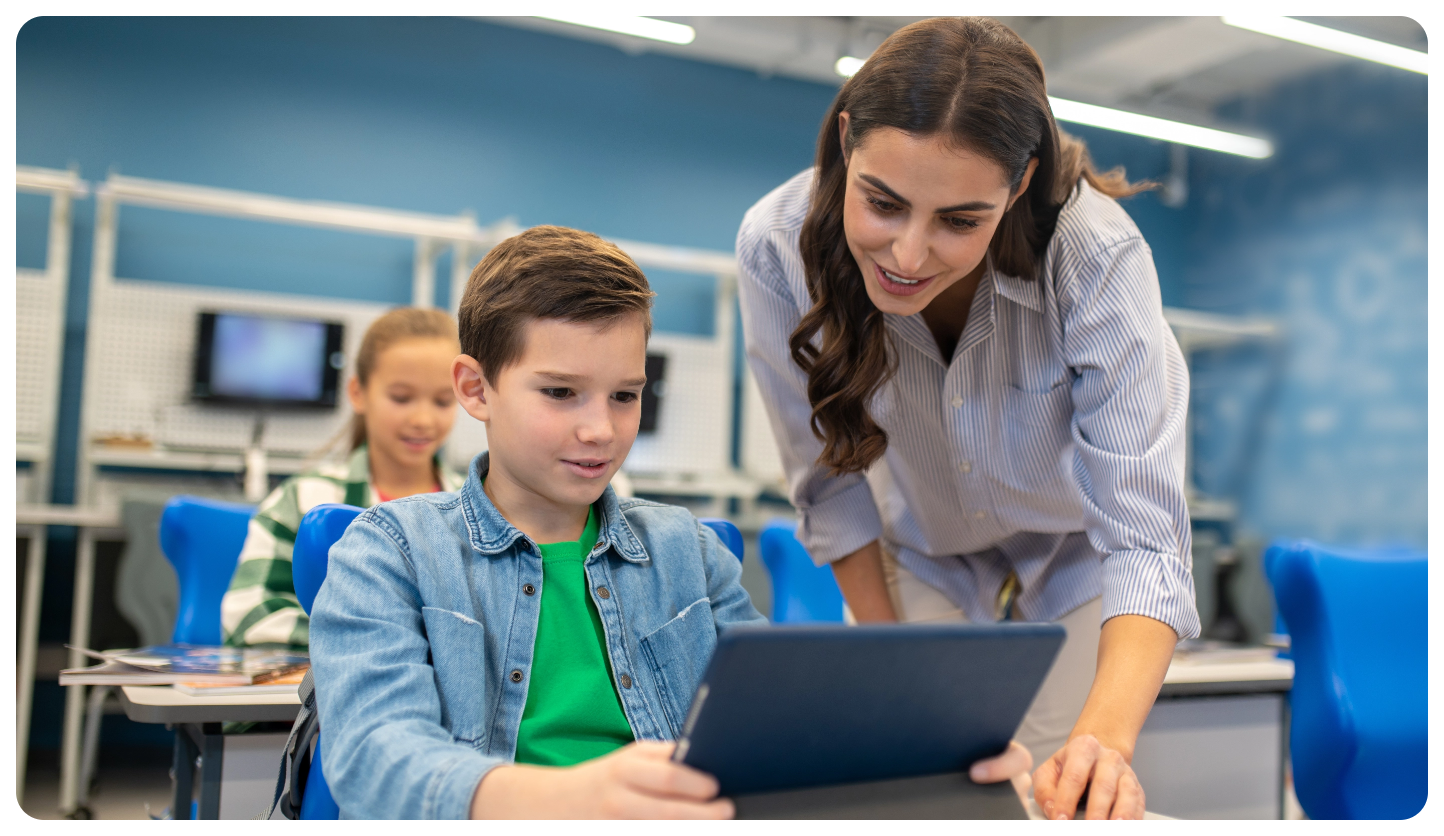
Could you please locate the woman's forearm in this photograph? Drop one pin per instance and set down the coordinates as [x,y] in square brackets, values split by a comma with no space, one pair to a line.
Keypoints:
[859,576]
[1133,655]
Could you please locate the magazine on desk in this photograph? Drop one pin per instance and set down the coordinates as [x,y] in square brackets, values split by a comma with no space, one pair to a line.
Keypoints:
[194,665]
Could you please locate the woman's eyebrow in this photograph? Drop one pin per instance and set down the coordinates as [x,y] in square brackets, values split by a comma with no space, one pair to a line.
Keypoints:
[970,206]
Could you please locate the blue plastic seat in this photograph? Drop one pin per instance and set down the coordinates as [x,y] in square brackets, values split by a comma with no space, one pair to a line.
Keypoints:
[202,539]
[727,532]
[801,591]
[1358,626]
[320,528]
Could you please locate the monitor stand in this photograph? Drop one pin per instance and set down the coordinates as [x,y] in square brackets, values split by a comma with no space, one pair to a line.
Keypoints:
[950,795]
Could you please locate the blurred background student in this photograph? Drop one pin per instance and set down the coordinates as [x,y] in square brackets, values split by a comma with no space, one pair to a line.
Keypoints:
[404,409]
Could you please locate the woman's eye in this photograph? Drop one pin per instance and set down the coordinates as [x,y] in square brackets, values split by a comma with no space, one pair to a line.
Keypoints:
[557,393]
[881,205]
[961,223]
[626,397]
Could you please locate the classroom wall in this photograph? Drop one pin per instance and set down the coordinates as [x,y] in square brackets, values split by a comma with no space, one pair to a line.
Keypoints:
[1324,434]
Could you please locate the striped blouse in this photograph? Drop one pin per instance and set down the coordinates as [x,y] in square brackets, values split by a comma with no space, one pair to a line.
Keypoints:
[1051,444]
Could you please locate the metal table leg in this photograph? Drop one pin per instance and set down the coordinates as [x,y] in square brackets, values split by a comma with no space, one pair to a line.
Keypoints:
[70,741]
[183,767]
[29,646]
[212,760]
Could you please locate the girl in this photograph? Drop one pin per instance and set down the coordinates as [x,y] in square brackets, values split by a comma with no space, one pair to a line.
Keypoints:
[404,408]
[958,334]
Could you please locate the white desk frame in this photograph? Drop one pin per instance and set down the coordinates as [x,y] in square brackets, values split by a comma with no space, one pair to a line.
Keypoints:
[61,187]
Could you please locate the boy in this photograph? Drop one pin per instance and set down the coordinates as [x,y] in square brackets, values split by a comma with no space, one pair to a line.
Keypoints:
[495,652]
[524,647]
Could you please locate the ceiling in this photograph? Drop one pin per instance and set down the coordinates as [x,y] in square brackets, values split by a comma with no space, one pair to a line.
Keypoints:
[1175,67]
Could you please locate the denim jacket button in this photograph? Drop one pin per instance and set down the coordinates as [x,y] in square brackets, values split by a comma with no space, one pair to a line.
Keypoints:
[516,676]
[603,592]
[529,589]
[626,681]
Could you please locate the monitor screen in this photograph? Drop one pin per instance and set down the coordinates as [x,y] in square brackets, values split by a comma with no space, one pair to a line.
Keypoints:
[267,360]
[653,392]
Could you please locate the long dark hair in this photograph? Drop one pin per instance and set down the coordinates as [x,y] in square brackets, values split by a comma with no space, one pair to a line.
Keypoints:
[977,81]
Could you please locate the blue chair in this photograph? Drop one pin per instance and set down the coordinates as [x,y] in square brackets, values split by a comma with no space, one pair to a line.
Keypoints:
[202,539]
[801,591]
[727,532]
[1358,626]
[320,528]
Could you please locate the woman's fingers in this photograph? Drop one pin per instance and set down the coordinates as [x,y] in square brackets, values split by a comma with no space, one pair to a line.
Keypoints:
[1075,768]
[1045,780]
[1014,761]
[1103,789]
[1129,803]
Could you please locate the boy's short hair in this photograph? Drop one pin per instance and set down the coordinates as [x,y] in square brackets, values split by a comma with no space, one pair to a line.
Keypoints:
[546,272]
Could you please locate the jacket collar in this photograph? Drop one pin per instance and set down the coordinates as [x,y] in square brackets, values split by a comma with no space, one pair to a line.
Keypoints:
[492,535]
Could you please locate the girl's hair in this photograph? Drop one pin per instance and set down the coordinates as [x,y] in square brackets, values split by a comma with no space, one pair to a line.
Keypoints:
[392,327]
[976,82]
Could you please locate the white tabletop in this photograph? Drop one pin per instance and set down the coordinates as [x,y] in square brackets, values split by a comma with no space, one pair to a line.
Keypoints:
[1202,670]
[165,695]
[80,515]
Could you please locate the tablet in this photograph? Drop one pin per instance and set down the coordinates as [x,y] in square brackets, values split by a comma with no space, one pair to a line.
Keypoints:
[793,706]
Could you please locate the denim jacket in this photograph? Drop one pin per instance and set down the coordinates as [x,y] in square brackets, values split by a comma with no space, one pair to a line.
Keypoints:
[422,638]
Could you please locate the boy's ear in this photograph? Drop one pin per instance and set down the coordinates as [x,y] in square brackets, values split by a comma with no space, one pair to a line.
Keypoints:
[469,385]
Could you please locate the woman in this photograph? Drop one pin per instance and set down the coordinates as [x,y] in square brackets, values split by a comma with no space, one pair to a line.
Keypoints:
[959,337]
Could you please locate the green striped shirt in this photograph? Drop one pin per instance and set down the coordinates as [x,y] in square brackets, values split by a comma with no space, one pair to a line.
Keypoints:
[260,606]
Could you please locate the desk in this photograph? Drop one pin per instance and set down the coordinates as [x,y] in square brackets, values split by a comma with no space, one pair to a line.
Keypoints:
[248,772]
[37,519]
[1215,744]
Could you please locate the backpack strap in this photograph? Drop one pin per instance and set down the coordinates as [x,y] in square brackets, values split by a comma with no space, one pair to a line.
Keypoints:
[296,756]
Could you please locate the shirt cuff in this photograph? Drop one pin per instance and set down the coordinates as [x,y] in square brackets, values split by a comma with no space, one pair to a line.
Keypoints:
[456,786]
[1159,586]
[840,525]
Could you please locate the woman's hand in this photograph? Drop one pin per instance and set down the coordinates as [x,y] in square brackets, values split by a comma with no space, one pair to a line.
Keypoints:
[638,781]
[1013,764]
[1085,764]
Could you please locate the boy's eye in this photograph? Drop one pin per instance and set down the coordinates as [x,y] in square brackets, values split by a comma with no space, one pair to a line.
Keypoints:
[557,392]
[626,397]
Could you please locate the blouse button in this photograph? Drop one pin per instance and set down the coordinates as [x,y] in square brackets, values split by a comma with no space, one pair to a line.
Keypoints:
[979,514]
[957,401]
[626,681]
[966,467]
[602,592]
[516,676]
[529,589]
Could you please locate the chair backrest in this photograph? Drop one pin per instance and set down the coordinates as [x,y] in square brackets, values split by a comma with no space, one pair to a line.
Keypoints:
[1358,628]
[320,528]
[801,591]
[202,539]
[727,532]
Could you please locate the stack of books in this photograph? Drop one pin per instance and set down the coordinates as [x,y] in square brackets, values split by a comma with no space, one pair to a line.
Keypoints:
[196,669]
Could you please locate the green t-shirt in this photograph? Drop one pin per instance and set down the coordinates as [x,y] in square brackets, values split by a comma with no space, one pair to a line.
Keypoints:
[572,711]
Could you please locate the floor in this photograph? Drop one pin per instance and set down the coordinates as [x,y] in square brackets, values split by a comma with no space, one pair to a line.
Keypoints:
[131,783]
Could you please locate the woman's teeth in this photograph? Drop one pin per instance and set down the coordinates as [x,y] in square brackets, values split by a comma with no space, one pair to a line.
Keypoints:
[898,279]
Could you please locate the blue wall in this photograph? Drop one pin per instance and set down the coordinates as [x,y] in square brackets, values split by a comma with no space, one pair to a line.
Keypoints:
[1325,434]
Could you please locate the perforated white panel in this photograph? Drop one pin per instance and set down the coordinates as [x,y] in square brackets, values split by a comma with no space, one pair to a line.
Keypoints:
[694,427]
[37,353]
[468,437]
[145,334]
[760,458]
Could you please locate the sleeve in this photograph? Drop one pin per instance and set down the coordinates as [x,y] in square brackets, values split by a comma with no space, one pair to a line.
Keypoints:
[731,605]
[839,515]
[261,606]
[1130,403]
[387,754]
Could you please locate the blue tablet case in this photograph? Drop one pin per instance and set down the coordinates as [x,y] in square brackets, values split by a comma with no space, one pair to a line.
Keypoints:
[786,707]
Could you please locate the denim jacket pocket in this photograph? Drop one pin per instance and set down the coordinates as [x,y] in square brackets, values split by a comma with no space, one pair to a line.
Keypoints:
[678,653]
[458,658]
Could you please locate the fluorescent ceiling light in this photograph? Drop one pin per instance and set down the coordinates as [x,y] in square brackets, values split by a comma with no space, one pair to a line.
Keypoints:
[847,66]
[641,27]
[1334,40]
[1180,132]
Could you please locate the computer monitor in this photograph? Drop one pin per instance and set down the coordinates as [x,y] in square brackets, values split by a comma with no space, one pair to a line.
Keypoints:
[261,360]
[652,393]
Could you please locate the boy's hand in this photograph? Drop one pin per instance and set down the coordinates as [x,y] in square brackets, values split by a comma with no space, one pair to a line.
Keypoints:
[1013,764]
[638,781]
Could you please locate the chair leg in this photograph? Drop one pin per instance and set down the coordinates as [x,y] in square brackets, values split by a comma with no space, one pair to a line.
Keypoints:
[90,749]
